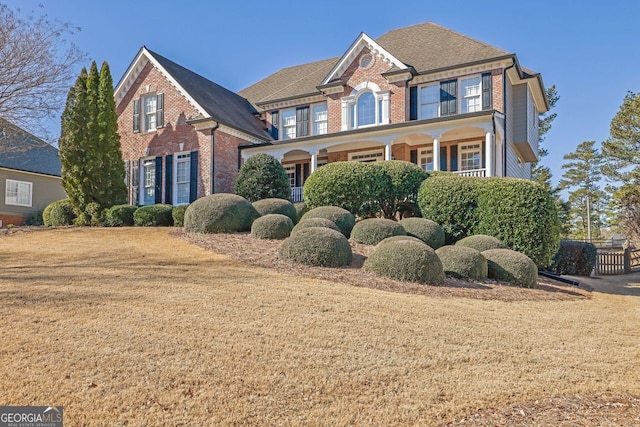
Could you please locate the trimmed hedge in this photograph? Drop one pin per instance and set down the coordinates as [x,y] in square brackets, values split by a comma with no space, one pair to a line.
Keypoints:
[178,215]
[373,230]
[481,242]
[463,262]
[272,226]
[158,215]
[120,216]
[406,260]
[426,230]
[520,213]
[402,194]
[512,267]
[314,222]
[276,206]
[354,186]
[220,213]
[575,258]
[317,246]
[339,216]
[58,213]
[301,209]
[401,238]
[262,177]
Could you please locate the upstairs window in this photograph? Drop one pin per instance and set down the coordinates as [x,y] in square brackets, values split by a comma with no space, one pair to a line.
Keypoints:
[365,107]
[288,118]
[152,113]
[320,119]
[471,94]
[294,123]
[18,193]
[430,101]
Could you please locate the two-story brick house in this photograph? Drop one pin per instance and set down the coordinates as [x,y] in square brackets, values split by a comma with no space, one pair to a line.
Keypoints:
[423,94]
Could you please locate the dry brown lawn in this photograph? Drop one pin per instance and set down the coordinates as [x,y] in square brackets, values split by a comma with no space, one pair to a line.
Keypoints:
[139,326]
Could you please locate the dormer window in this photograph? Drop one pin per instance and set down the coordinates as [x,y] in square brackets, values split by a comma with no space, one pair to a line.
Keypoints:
[367,106]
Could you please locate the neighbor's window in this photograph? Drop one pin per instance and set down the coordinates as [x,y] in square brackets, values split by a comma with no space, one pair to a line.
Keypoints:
[183,178]
[149,181]
[18,193]
[470,156]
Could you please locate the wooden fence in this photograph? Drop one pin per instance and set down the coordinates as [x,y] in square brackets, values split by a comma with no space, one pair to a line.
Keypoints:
[620,262]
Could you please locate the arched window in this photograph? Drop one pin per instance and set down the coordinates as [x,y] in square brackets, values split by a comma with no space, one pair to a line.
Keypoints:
[366,106]
[366,109]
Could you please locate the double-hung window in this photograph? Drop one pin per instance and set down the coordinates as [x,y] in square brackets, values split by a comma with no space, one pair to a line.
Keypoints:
[18,193]
[183,178]
[471,94]
[149,181]
[426,159]
[152,113]
[470,156]
[288,120]
[430,101]
[291,173]
[320,119]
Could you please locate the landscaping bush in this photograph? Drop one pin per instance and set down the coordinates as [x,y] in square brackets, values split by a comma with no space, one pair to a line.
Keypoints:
[301,209]
[512,267]
[314,222]
[178,215]
[58,213]
[318,246]
[372,231]
[272,226]
[400,238]
[276,206]
[339,216]
[463,262]
[402,194]
[354,186]
[261,177]
[220,213]
[406,260]
[158,215]
[575,258]
[481,242]
[120,216]
[426,230]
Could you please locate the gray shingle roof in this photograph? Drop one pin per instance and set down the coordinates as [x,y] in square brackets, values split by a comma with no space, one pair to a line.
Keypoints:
[22,151]
[425,47]
[220,103]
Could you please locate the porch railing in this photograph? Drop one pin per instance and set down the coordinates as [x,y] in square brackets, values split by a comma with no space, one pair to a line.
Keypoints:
[479,173]
[296,194]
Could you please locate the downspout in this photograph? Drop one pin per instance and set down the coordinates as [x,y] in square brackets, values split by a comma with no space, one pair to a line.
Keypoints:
[504,111]
[213,129]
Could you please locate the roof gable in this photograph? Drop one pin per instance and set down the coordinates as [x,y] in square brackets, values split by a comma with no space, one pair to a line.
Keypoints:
[19,150]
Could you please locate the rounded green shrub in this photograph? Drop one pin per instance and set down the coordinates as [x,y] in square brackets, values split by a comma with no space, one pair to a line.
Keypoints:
[301,209]
[178,215]
[317,246]
[272,226]
[406,260]
[220,213]
[276,206]
[575,258]
[373,230]
[424,229]
[158,215]
[402,194]
[463,262]
[481,242]
[512,267]
[58,213]
[400,238]
[262,177]
[314,222]
[339,216]
[120,216]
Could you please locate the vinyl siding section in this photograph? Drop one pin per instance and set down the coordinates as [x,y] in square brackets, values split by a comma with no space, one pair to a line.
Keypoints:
[45,189]
[514,168]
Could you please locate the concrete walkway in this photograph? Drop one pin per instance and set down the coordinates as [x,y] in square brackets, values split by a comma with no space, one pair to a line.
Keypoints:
[621,284]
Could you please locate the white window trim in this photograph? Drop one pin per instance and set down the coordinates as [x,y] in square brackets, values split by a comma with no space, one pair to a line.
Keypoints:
[142,181]
[290,169]
[283,136]
[314,108]
[176,160]
[459,96]
[420,88]
[425,153]
[359,156]
[461,148]
[349,106]
[144,114]
[17,198]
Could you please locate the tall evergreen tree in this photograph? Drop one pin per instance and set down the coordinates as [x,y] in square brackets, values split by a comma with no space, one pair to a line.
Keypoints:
[540,173]
[622,150]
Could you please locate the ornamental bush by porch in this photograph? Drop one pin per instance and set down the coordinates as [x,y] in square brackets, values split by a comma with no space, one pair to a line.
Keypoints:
[512,267]
[58,213]
[339,216]
[272,226]
[178,215]
[262,177]
[317,246]
[276,206]
[426,230]
[401,195]
[220,213]
[120,216]
[158,215]
[374,230]
[406,260]
[463,262]
[481,242]
[314,222]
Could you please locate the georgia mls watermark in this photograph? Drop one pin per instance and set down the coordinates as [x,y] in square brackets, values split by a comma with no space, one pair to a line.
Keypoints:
[31,416]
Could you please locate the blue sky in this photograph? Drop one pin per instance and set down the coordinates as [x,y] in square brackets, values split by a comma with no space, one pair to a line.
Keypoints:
[589,50]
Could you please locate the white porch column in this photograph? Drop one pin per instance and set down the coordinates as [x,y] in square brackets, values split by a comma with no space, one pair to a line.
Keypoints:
[436,154]
[387,151]
[488,152]
[314,162]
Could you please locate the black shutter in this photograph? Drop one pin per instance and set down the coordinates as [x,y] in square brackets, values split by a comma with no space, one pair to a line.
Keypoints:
[136,115]
[298,175]
[193,184]
[274,124]
[135,181]
[448,97]
[413,156]
[302,121]
[486,91]
[483,154]
[443,158]
[158,181]
[306,170]
[413,103]
[160,110]
[454,158]
[168,179]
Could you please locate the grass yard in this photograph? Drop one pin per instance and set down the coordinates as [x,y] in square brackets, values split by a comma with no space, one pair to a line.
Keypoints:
[138,326]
